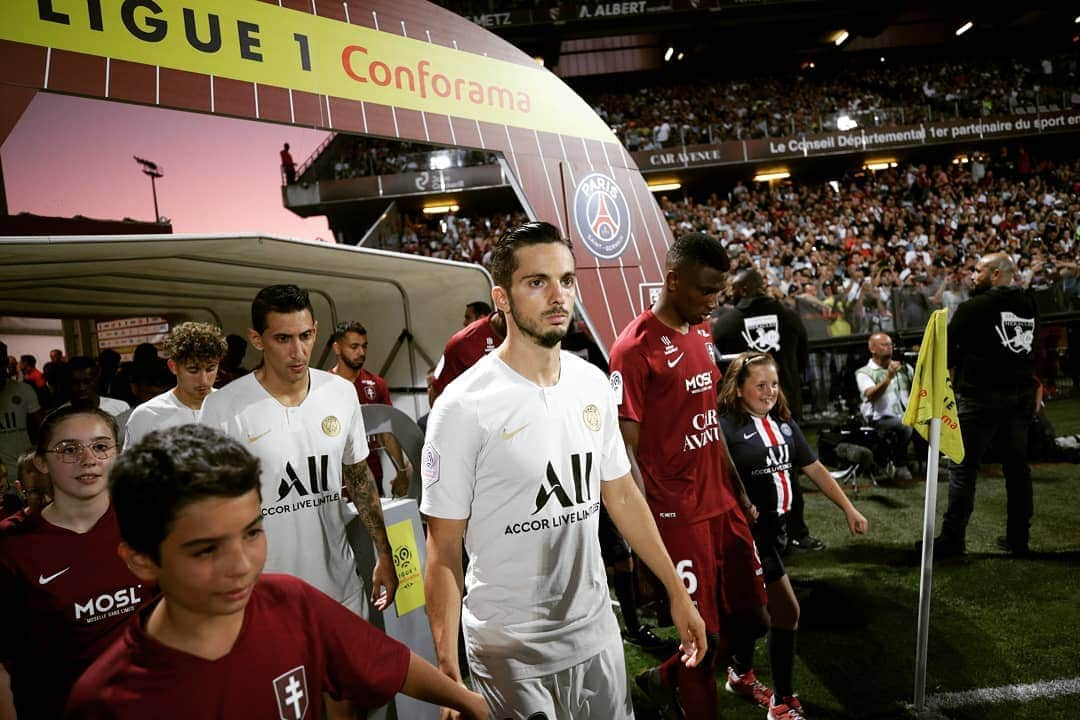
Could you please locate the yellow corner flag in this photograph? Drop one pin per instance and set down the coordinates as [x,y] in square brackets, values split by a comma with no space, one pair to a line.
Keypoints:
[931,390]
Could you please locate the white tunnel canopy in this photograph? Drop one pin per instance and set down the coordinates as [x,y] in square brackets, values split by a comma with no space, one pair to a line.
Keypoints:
[213,278]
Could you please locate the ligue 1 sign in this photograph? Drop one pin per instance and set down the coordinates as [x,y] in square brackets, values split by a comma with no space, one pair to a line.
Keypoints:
[396,69]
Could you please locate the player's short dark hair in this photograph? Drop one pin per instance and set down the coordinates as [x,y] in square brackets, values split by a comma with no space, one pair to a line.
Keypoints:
[698,249]
[53,419]
[81,362]
[195,342]
[28,360]
[504,259]
[170,469]
[346,326]
[282,299]
[480,308]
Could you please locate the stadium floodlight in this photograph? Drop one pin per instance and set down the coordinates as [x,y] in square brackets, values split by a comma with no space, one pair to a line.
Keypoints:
[668,54]
[680,56]
[840,38]
[441,209]
[154,171]
[665,186]
[771,175]
[845,123]
[1076,19]
[964,28]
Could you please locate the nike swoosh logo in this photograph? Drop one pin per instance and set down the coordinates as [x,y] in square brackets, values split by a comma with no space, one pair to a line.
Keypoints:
[254,438]
[675,361]
[747,436]
[508,435]
[42,580]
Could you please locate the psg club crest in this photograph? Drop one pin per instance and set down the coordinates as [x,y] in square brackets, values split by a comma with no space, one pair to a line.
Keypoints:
[602,216]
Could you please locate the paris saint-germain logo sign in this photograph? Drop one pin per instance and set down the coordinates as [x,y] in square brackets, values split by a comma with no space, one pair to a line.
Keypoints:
[602,216]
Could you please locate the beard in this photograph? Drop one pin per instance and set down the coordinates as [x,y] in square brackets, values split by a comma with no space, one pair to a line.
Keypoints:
[354,365]
[548,338]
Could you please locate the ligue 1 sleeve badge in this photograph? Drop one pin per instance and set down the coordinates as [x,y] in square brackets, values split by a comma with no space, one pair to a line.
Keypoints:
[602,216]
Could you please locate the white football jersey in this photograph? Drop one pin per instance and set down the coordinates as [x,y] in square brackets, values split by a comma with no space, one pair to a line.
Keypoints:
[523,464]
[159,412]
[301,450]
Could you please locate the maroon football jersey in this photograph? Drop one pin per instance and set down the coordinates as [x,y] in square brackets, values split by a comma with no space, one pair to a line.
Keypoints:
[467,345]
[667,383]
[295,644]
[70,595]
[373,390]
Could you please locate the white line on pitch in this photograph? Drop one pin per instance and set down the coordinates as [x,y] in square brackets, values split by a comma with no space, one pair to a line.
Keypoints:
[1006,693]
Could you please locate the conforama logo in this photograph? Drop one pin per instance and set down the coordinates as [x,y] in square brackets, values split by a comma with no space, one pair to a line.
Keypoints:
[602,216]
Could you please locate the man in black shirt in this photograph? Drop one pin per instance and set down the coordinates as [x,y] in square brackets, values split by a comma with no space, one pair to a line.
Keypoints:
[991,357]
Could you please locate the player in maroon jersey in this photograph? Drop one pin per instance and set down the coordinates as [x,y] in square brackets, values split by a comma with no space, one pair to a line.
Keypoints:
[665,379]
[349,343]
[466,346]
[59,572]
[224,640]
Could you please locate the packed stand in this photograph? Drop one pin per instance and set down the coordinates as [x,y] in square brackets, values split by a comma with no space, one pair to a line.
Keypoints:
[870,93]
[463,238]
[880,251]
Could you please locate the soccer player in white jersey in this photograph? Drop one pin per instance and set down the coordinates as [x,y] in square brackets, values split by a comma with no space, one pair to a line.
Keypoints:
[195,349]
[305,427]
[520,451]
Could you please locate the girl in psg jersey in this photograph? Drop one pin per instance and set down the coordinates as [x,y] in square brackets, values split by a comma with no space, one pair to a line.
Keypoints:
[60,575]
[768,450]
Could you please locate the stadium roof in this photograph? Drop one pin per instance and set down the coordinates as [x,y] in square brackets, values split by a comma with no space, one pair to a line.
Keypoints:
[214,277]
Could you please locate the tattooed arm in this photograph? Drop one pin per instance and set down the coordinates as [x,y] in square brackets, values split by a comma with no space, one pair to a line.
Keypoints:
[361,486]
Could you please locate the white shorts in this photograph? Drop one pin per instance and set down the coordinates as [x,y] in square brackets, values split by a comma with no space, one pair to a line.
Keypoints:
[594,689]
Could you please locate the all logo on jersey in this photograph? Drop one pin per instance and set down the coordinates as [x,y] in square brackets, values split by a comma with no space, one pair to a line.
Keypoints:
[591,416]
[1016,333]
[579,506]
[331,426]
[291,691]
[762,333]
[303,492]
[602,216]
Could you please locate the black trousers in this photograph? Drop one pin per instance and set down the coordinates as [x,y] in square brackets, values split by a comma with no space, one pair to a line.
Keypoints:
[999,418]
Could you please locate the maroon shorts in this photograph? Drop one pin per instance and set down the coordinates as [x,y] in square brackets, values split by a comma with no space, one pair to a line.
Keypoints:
[719,564]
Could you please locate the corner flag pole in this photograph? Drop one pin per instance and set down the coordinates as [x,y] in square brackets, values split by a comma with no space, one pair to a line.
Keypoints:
[927,567]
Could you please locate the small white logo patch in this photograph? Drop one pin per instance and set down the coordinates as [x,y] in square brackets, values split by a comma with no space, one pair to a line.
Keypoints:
[616,386]
[429,465]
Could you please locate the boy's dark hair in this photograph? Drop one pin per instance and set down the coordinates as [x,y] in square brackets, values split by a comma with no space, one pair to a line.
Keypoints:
[28,360]
[504,261]
[346,326]
[282,299]
[479,308]
[170,469]
[48,425]
[698,249]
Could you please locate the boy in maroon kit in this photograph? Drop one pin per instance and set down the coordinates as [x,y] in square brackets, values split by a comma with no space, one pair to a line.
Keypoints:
[466,346]
[224,640]
[665,380]
[60,578]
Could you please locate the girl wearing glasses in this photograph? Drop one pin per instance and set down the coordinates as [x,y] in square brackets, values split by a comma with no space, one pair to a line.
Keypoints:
[59,569]
[768,450]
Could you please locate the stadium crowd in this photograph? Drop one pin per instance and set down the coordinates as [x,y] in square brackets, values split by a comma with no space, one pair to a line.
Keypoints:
[875,251]
[872,92]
